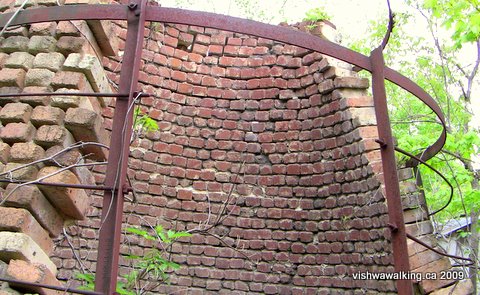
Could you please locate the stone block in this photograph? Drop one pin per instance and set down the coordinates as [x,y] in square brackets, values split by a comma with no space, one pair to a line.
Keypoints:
[33,273]
[104,33]
[351,82]
[437,266]
[8,90]
[3,58]
[70,80]
[12,77]
[52,61]
[21,246]
[14,44]
[39,77]
[17,132]
[64,159]
[67,101]
[464,287]
[40,44]
[15,113]
[70,44]
[71,202]
[362,116]
[31,198]
[15,31]
[66,28]
[50,135]
[4,152]
[47,115]
[43,29]
[36,100]
[419,228]
[19,60]
[26,173]
[86,125]
[414,215]
[20,220]
[26,152]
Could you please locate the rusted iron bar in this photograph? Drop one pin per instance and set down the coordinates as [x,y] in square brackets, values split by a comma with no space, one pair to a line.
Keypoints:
[392,188]
[70,94]
[70,185]
[438,252]
[238,25]
[112,210]
[412,156]
[63,289]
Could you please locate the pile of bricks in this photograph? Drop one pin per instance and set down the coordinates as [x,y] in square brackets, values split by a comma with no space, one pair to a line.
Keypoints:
[45,58]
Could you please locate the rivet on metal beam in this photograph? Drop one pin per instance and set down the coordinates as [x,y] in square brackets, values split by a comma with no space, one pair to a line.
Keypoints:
[132,6]
[392,227]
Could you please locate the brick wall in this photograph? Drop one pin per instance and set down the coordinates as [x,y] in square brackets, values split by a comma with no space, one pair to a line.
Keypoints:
[288,132]
[39,58]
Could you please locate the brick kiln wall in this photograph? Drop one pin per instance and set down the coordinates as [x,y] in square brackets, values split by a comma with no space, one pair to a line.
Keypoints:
[288,132]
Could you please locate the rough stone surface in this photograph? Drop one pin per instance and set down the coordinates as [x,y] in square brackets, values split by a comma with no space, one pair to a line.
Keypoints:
[34,273]
[24,173]
[71,202]
[39,44]
[69,44]
[52,61]
[12,77]
[39,77]
[36,100]
[66,102]
[19,60]
[14,44]
[50,135]
[70,80]
[464,287]
[26,152]
[21,246]
[32,199]
[47,115]
[20,220]
[4,152]
[15,113]
[17,132]
[43,29]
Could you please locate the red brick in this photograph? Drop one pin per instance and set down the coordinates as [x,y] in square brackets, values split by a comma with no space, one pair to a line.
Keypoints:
[12,77]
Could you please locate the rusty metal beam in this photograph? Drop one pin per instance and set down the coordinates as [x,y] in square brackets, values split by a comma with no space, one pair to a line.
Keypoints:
[392,187]
[88,94]
[51,287]
[112,210]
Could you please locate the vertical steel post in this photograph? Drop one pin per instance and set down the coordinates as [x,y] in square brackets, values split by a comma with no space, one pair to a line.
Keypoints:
[392,187]
[112,210]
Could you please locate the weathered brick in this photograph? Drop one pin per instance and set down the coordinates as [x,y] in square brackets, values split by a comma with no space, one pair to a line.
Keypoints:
[50,135]
[52,61]
[40,44]
[39,77]
[15,31]
[8,90]
[19,60]
[26,173]
[362,116]
[86,125]
[35,100]
[47,115]
[4,152]
[71,202]
[26,152]
[21,246]
[351,82]
[31,198]
[14,44]
[70,44]
[12,77]
[17,132]
[15,113]
[437,266]
[67,101]
[461,288]
[70,80]
[33,273]
[43,29]
[20,220]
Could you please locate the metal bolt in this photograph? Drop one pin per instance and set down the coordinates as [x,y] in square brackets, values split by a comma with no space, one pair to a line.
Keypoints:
[132,6]
[381,143]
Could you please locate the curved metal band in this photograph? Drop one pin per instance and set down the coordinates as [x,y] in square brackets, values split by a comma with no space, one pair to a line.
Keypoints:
[238,25]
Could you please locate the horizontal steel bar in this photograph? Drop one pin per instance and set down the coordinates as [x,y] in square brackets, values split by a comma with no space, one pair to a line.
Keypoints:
[63,289]
[69,185]
[70,94]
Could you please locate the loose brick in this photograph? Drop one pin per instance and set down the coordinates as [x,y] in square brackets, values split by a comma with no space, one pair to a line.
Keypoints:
[21,246]
[20,220]
[19,60]
[86,125]
[71,202]
[17,132]
[15,113]
[40,44]
[12,77]
[33,273]
[26,152]
[14,44]
[47,115]
[52,61]
[27,173]
[39,77]
[32,199]
[50,135]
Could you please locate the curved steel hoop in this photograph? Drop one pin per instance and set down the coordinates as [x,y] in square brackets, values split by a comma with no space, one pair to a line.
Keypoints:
[238,25]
